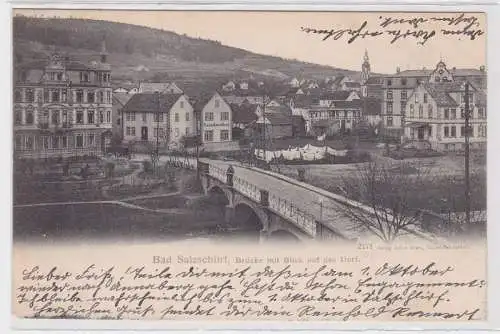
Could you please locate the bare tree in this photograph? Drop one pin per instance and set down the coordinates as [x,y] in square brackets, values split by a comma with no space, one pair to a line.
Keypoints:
[384,195]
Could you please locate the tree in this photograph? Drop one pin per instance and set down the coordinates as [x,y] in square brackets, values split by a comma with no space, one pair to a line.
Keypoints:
[385,194]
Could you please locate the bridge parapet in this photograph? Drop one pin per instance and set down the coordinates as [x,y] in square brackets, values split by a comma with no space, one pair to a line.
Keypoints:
[246,188]
[288,210]
[217,173]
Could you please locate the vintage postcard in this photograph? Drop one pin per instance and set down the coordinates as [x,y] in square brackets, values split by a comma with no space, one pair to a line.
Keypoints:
[249,166]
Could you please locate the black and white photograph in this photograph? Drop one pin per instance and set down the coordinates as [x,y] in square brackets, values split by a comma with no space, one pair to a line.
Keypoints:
[255,129]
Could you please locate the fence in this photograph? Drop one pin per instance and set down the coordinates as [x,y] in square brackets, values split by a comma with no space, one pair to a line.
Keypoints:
[288,210]
[247,189]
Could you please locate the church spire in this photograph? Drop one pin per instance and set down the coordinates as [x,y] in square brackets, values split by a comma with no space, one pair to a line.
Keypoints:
[104,53]
[365,58]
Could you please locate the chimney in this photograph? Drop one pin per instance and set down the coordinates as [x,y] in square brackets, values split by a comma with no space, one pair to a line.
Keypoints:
[482,68]
[398,69]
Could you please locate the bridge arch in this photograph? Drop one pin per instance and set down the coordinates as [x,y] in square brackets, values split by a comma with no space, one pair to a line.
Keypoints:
[283,236]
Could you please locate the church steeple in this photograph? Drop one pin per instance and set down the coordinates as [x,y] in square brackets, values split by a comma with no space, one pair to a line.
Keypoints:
[365,74]
[104,53]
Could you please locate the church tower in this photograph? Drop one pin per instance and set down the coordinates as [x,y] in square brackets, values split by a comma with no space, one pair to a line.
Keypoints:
[365,74]
[104,52]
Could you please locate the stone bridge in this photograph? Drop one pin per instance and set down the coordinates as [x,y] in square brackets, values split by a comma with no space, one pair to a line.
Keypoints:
[278,206]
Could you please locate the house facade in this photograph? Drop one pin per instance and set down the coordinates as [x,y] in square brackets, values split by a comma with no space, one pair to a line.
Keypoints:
[151,117]
[62,108]
[435,112]
[216,121]
[396,89]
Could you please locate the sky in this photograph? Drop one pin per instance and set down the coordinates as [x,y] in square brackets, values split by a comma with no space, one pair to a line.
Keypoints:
[281,34]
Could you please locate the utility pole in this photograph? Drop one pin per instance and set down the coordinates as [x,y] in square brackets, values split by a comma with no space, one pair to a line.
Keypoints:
[467,171]
[157,151]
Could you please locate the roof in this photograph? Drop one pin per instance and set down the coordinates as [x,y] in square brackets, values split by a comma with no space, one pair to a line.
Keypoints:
[121,98]
[467,72]
[374,81]
[352,84]
[372,106]
[413,73]
[244,113]
[336,96]
[278,119]
[152,87]
[440,94]
[347,104]
[147,102]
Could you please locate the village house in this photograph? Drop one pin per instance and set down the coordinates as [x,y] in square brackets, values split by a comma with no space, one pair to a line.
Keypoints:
[435,113]
[119,101]
[244,116]
[216,121]
[148,117]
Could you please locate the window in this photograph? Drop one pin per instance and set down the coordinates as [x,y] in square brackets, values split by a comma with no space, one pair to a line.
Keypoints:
[18,96]
[429,111]
[389,82]
[155,132]
[55,96]
[224,135]
[176,117]
[209,116]
[425,98]
[28,144]
[447,113]
[389,94]
[144,117]
[90,117]
[403,106]
[389,121]
[453,131]
[59,76]
[79,141]
[224,116]
[108,116]
[187,117]
[388,108]
[217,103]
[412,110]
[108,97]
[29,116]
[79,96]
[55,116]
[45,142]
[462,131]
[429,133]
[404,95]
[446,131]
[403,82]
[30,95]
[162,132]
[188,131]
[64,142]
[64,95]
[90,97]
[471,131]
[453,113]
[84,77]
[55,142]
[416,97]
[462,113]
[181,104]
[52,76]
[420,111]
[46,95]
[118,121]
[127,131]
[480,113]
[65,117]
[19,142]
[18,114]
[79,116]
[209,135]
[101,97]
[176,132]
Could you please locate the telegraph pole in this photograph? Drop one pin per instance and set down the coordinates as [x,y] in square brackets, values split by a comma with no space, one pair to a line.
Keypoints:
[467,171]
[157,151]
